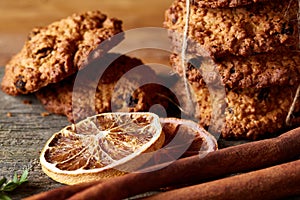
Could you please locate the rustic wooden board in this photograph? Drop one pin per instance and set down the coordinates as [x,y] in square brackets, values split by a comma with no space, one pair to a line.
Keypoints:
[22,136]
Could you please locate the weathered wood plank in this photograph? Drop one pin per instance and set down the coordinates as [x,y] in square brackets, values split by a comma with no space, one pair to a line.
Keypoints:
[23,133]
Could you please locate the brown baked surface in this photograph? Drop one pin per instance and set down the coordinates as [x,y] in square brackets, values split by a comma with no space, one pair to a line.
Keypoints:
[52,53]
[243,31]
[224,3]
[249,113]
[123,87]
[258,71]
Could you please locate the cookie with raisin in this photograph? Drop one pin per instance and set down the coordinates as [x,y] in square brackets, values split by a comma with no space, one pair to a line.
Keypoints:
[54,52]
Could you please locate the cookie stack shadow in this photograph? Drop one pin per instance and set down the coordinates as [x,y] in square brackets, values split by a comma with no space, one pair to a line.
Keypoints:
[242,63]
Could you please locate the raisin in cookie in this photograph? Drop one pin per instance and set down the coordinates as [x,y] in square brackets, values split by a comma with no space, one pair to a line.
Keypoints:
[242,31]
[54,52]
[258,71]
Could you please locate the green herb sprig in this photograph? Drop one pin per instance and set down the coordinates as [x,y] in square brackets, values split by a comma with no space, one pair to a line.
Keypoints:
[12,184]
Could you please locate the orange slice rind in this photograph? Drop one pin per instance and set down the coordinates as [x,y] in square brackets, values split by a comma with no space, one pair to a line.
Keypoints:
[190,133]
[183,138]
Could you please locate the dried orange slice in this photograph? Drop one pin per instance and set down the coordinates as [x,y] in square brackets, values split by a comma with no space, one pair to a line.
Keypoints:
[102,146]
[189,133]
[183,138]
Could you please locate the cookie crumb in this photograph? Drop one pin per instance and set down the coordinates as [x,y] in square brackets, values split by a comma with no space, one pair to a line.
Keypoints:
[9,114]
[45,114]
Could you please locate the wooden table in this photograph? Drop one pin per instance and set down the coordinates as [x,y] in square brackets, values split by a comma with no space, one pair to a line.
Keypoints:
[23,132]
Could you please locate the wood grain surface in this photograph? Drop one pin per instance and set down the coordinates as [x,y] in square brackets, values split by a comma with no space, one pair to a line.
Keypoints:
[23,132]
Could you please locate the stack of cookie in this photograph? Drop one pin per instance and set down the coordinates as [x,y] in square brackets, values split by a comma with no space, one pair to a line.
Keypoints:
[250,48]
[56,57]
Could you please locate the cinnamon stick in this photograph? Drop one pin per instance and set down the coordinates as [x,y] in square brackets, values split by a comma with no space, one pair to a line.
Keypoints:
[226,161]
[276,182]
[236,159]
[63,192]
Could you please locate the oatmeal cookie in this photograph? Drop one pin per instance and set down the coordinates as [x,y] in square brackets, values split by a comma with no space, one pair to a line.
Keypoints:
[125,86]
[54,52]
[258,71]
[224,3]
[249,113]
[241,31]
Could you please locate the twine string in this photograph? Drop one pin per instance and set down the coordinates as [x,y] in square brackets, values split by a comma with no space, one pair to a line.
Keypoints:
[297,95]
[292,108]
[183,55]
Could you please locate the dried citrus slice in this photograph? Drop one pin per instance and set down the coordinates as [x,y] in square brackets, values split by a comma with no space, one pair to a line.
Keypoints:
[183,138]
[102,146]
[191,134]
